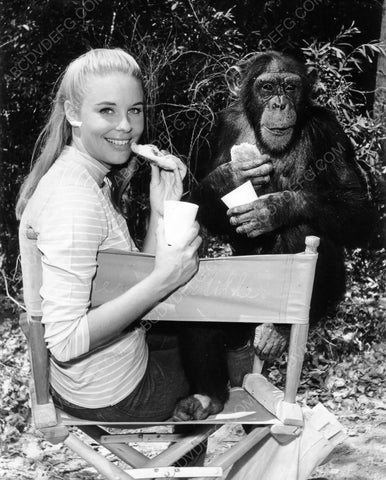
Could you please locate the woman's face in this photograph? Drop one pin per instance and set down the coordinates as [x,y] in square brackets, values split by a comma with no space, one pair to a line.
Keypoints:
[111,117]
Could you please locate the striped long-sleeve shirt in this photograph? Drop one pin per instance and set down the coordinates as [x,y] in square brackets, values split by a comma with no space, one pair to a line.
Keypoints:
[73,218]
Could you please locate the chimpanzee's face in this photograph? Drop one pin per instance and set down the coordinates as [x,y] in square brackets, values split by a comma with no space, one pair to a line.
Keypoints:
[273,100]
[278,95]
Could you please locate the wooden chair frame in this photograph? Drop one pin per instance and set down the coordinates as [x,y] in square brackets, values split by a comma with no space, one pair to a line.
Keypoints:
[53,423]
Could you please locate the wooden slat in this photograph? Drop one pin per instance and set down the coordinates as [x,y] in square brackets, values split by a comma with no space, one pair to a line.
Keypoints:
[126,453]
[233,454]
[178,450]
[141,437]
[177,472]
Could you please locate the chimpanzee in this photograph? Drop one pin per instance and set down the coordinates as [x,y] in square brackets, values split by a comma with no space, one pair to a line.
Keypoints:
[306,178]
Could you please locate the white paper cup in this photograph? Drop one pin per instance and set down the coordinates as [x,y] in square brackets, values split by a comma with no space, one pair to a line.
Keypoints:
[241,195]
[179,217]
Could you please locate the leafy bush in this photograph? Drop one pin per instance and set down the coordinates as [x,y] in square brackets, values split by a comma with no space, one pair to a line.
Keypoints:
[360,318]
[337,62]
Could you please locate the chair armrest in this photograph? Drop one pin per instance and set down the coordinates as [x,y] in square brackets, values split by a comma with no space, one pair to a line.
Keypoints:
[42,406]
[39,360]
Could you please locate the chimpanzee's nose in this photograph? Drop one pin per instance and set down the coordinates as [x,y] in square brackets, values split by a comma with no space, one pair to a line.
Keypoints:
[278,104]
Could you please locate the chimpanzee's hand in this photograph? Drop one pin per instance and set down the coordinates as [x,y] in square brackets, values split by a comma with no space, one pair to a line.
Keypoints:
[249,164]
[266,214]
[270,340]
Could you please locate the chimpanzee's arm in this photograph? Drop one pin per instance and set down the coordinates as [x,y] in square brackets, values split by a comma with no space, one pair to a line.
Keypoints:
[343,219]
[207,194]
[216,180]
[221,181]
[224,174]
[330,195]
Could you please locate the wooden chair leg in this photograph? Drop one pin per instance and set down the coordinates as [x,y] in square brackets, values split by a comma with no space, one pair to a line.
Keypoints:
[297,349]
[290,412]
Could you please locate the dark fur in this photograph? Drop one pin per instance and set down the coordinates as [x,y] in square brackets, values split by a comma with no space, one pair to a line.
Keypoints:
[204,355]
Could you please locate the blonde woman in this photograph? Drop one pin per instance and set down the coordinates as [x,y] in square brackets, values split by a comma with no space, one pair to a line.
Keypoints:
[100,364]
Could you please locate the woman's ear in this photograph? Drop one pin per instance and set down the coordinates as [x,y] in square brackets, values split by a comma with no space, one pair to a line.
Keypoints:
[71,114]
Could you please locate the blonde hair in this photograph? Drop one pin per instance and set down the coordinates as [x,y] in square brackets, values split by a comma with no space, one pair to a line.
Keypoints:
[72,85]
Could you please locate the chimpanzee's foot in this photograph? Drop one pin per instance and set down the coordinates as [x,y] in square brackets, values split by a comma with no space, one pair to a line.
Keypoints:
[196,407]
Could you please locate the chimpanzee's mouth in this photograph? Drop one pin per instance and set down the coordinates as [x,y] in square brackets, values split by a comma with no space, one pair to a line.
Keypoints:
[280,131]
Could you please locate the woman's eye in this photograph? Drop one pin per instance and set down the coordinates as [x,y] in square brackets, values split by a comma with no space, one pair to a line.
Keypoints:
[136,110]
[107,110]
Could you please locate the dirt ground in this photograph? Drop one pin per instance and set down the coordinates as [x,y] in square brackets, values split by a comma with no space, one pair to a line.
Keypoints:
[361,457]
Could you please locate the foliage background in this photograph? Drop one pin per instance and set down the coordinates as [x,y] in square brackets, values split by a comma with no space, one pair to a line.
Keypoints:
[185,47]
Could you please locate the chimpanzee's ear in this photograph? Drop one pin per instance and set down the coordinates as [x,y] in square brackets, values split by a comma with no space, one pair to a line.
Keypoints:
[313,85]
[233,78]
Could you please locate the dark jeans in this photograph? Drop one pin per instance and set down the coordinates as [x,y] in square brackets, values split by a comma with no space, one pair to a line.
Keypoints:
[155,396]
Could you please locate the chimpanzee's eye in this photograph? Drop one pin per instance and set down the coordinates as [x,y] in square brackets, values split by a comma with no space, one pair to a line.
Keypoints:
[289,87]
[267,87]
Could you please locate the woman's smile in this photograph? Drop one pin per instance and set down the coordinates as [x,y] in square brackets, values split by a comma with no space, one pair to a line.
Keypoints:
[119,142]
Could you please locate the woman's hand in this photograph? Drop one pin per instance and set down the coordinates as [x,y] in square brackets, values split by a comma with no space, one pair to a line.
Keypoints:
[166,185]
[176,265]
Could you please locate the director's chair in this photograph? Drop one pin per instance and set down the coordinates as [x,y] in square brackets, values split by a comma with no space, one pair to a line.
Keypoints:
[257,289]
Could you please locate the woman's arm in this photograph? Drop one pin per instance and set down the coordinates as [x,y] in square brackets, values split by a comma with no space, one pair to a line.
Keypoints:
[164,185]
[71,226]
[149,245]
[174,267]
[69,235]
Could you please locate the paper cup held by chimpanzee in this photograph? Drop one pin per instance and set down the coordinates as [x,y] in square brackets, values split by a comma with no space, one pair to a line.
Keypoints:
[241,195]
[179,217]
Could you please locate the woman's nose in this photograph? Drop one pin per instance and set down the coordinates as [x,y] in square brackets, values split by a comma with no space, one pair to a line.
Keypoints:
[124,124]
